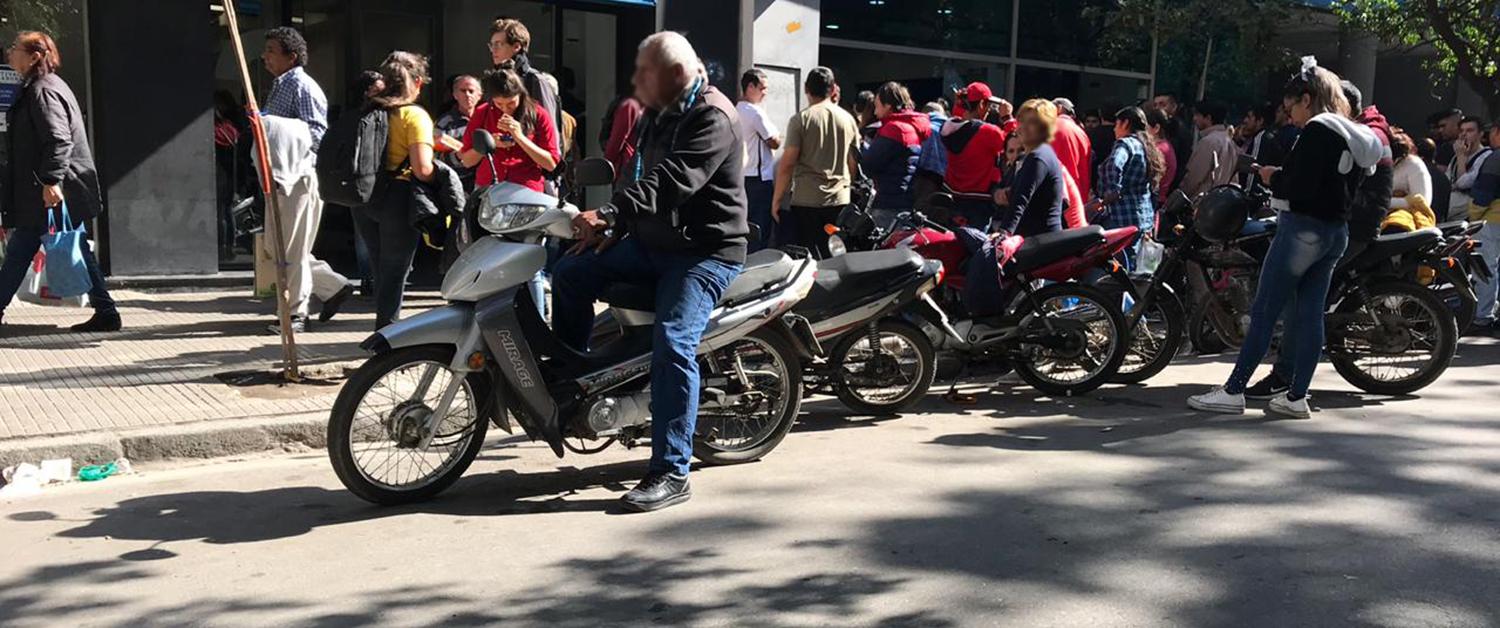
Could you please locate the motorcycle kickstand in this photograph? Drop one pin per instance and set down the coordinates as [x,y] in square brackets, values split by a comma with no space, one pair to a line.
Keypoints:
[953,396]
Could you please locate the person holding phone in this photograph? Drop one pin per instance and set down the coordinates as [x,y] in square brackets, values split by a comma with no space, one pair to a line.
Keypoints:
[525,134]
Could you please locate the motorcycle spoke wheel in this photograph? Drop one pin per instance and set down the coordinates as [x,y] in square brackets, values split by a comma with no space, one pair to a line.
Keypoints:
[1088,322]
[1397,342]
[887,374]
[762,401]
[390,422]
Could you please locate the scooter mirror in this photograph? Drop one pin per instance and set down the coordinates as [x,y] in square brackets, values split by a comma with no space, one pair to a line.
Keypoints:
[484,142]
[595,171]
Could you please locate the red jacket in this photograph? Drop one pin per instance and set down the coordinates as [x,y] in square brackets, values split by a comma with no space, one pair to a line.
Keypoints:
[1072,147]
[512,163]
[974,152]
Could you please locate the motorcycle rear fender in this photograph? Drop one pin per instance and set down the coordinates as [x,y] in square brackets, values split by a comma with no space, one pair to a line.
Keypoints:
[1460,281]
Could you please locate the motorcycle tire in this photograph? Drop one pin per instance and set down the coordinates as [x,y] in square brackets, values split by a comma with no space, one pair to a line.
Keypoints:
[774,342]
[1445,345]
[1027,369]
[854,399]
[1201,333]
[346,409]
[1152,360]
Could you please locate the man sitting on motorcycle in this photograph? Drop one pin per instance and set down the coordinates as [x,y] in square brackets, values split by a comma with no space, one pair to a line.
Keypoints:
[684,224]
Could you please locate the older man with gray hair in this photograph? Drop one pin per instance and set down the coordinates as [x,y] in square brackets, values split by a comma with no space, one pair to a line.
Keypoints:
[683,216]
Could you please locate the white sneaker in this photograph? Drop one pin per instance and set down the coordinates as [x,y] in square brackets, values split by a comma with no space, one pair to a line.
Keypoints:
[1218,401]
[1281,406]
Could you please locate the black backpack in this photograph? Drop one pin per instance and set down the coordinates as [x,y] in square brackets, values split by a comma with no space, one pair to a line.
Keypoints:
[352,155]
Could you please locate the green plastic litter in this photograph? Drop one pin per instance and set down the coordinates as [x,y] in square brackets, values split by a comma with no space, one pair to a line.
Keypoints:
[96,472]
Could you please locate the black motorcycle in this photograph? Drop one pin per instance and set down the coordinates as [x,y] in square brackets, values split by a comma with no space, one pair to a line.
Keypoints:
[865,308]
[1385,333]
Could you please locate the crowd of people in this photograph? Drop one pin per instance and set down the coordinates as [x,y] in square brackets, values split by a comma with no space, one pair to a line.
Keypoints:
[695,171]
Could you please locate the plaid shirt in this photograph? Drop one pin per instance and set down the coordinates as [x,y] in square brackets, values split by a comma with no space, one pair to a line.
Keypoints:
[1126,172]
[294,94]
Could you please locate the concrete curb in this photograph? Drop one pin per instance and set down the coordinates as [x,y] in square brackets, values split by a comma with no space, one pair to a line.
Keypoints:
[192,440]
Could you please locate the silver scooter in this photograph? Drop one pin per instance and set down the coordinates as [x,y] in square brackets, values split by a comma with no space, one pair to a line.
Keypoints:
[412,418]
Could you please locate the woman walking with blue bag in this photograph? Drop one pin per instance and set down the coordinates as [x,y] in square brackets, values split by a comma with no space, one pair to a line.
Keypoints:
[50,161]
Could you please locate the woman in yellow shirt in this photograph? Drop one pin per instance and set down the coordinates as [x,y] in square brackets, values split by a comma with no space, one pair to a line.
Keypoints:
[384,224]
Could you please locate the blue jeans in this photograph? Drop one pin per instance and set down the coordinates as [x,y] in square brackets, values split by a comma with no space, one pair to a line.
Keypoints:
[1299,266]
[758,193]
[19,251]
[1489,248]
[687,287]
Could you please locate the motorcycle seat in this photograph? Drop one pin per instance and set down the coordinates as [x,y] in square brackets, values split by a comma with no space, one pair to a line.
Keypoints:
[1391,245]
[1041,250]
[763,269]
[844,280]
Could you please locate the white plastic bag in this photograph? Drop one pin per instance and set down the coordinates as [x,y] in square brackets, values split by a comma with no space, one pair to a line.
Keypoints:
[34,287]
[1150,256]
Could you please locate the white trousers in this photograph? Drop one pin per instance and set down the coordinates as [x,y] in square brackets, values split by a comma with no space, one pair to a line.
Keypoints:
[300,213]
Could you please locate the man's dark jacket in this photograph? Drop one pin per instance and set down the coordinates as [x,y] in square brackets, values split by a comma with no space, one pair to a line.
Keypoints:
[690,197]
[47,146]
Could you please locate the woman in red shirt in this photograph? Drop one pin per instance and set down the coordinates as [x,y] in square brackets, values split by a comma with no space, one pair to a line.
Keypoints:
[525,135]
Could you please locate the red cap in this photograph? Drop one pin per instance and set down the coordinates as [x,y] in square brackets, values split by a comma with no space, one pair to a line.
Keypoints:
[978,92]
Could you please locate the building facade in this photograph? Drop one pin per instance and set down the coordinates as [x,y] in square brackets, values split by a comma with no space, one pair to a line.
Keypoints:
[148,73]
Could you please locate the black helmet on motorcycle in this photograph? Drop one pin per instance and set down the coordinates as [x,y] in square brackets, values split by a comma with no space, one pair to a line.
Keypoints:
[855,221]
[1221,213]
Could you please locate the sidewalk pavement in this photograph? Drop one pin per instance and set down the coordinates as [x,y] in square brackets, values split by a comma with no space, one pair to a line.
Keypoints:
[187,369]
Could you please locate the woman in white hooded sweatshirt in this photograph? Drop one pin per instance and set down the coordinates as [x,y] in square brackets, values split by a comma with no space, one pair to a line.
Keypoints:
[1312,191]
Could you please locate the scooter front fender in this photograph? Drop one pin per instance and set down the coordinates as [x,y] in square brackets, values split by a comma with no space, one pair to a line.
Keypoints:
[447,325]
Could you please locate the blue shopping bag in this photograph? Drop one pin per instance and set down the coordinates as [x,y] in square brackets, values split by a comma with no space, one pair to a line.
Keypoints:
[67,274]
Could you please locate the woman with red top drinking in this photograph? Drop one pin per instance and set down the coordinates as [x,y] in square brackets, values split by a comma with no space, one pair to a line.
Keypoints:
[524,132]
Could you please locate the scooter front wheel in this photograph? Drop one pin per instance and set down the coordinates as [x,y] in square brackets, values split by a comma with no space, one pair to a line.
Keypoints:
[382,439]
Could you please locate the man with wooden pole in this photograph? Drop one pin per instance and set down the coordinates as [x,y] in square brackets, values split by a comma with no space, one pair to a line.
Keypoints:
[283,305]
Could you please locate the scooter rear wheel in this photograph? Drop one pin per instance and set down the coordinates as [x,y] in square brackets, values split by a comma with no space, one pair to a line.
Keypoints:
[748,428]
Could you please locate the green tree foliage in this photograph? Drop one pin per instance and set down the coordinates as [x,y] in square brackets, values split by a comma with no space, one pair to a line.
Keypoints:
[32,15]
[1243,33]
[1465,34]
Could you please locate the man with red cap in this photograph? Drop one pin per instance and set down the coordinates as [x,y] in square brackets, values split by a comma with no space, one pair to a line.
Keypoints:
[974,150]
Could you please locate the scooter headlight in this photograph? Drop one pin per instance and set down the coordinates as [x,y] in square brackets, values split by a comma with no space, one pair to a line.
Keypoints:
[836,245]
[508,217]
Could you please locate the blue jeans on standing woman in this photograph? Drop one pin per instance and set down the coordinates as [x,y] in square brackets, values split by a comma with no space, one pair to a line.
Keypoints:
[19,251]
[687,288]
[1298,267]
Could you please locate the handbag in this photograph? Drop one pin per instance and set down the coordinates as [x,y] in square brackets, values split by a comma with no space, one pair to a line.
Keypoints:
[34,288]
[67,273]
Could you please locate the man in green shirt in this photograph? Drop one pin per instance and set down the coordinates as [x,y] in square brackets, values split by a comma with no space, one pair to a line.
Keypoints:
[818,165]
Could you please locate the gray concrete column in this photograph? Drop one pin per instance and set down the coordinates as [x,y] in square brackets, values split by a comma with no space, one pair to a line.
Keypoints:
[1358,51]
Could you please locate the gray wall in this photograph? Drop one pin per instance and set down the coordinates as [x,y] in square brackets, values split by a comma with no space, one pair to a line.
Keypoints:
[153,123]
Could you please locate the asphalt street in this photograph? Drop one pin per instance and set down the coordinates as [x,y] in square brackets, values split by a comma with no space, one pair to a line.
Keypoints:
[1122,508]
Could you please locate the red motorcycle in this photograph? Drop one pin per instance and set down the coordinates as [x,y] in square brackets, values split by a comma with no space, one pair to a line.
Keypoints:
[1062,336]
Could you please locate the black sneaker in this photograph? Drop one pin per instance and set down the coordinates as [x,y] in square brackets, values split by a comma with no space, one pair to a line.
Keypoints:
[332,305]
[1271,386]
[658,491]
[299,325]
[99,322]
